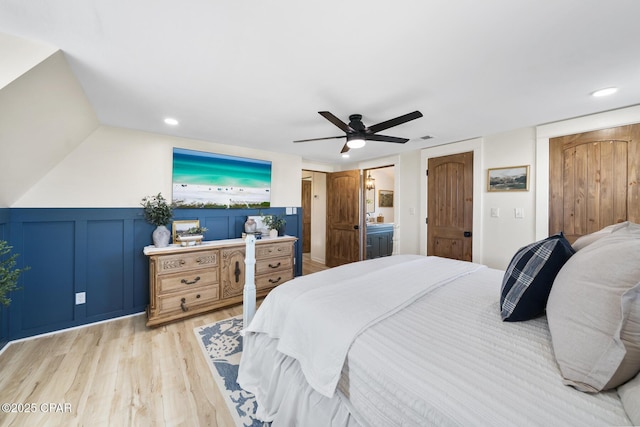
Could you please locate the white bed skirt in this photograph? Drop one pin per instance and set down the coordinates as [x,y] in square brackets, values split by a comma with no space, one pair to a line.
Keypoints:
[284,397]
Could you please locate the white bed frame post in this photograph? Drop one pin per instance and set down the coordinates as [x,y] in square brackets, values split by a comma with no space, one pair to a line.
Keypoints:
[249,294]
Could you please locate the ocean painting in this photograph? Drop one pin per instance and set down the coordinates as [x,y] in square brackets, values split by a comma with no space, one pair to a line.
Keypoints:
[209,180]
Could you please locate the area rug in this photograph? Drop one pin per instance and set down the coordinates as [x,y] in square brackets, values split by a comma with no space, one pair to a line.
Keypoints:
[221,343]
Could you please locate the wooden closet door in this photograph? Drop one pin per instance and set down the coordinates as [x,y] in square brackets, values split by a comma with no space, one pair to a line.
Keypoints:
[450,206]
[594,180]
[343,218]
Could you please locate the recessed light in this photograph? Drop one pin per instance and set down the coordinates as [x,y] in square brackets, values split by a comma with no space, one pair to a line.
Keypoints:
[345,155]
[170,121]
[605,92]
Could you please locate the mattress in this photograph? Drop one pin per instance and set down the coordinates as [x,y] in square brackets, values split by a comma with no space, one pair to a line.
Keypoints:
[445,359]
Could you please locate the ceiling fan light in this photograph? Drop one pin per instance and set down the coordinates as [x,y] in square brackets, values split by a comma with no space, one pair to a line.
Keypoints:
[605,92]
[356,142]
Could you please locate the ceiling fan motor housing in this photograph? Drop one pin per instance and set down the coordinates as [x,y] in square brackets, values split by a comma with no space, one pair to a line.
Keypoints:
[355,122]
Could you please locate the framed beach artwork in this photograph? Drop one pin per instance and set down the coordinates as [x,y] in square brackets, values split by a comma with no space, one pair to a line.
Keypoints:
[514,178]
[209,180]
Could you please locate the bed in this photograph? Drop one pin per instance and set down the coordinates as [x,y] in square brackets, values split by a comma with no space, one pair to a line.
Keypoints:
[412,340]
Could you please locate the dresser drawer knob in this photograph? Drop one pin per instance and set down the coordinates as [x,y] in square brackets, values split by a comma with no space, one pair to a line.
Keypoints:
[183,305]
[275,281]
[182,262]
[186,282]
[275,266]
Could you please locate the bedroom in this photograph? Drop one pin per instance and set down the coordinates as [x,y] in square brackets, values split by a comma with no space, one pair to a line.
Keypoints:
[90,164]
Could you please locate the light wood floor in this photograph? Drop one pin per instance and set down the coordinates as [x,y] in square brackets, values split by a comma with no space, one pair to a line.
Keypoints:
[117,373]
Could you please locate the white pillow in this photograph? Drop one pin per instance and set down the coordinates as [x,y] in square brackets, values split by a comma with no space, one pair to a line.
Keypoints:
[587,239]
[594,312]
[630,395]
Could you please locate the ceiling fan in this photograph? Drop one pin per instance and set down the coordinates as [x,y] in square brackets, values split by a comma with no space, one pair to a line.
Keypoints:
[357,133]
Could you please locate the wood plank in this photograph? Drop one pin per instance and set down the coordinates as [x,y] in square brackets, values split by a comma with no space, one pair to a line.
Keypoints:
[593,188]
[634,176]
[580,189]
[620,181]
[568,192]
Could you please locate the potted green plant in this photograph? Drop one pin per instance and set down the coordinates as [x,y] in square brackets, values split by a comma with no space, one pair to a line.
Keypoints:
[158,212]
[275,222]
[8,273]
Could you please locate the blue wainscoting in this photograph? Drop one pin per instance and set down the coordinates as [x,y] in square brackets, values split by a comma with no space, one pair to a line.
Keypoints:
[4,315]
[97,251]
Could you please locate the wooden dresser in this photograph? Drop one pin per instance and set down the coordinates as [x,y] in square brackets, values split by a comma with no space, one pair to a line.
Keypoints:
[186,281]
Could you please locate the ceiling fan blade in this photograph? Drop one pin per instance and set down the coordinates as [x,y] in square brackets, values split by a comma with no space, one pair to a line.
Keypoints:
[385,138]
[394,122]
[344,149]
[336,121]
[320,139]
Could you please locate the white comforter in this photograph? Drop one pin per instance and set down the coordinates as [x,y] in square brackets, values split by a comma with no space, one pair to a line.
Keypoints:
[446,359]
[316,322]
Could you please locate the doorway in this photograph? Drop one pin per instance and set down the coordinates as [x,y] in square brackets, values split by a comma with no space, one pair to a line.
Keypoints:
[338,207]
[380,205]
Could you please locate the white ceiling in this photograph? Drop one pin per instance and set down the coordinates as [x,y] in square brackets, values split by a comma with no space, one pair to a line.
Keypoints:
[255,73]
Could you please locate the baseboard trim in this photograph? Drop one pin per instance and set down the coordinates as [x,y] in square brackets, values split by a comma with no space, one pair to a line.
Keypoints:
[86,325]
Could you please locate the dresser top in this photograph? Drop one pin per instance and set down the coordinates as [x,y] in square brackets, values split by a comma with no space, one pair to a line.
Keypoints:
[212,244]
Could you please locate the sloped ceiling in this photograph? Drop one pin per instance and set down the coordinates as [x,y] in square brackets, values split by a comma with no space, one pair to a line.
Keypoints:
[44,115]
[255,73]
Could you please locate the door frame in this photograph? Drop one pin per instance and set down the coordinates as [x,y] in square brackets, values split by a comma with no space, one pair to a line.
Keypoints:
[479,183]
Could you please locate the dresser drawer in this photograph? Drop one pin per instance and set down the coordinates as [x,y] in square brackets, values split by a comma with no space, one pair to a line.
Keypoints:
[266,281]
[273,250]
[191,300]
[187,261]
[273,264]
[187,280]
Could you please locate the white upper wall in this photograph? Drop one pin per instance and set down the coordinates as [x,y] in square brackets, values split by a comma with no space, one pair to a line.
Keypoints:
[116,167]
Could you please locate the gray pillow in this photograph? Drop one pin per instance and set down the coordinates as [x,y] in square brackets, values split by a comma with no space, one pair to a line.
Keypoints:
[630,395]
[594,312]
[587,239]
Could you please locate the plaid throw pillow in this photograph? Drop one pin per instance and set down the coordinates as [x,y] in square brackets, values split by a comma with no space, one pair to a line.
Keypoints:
[528,279]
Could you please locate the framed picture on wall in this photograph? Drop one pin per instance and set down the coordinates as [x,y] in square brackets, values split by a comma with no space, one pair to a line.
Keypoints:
[211,180]
[385,198]
[514,178]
